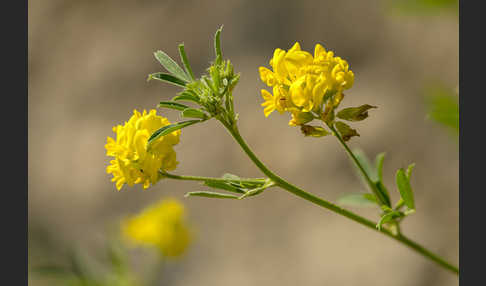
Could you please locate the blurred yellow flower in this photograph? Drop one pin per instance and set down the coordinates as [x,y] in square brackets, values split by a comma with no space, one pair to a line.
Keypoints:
[161,225]
[133,164]
[302,83]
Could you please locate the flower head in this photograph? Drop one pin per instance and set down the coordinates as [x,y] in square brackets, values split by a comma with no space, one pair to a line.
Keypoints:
[302,82]
[162,225]
[133,163]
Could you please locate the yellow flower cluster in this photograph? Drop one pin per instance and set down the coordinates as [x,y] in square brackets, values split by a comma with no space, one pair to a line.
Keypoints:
[133,164]
[302,83]
[161,225]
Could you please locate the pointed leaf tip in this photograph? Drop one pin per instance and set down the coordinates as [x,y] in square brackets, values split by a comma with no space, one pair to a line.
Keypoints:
[172,105]
[405,189]
[355,113]
[194,113]
[165,77]
[169,129]
[379,165]
[217,44]
[171,66]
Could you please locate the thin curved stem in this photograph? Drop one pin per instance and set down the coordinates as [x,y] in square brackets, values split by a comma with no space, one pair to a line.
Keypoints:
[233,130]
[353,157]
[368,180]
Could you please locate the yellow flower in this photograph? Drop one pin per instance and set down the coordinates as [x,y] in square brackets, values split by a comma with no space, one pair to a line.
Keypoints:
[162,225]
[133,164]
[278,65]
[267,76]
[302,83]
[277,101]
[269,103]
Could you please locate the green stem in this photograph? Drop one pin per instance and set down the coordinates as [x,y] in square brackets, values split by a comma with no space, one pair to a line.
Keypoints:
[368,180]
[233,130]
[353,157]
[204,179]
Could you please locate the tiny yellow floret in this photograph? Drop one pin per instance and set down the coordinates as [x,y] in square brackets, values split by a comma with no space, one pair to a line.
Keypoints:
[302,82]
[162,225]
[133,163]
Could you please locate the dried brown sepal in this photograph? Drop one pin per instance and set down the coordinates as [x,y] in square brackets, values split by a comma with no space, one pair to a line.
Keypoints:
[345,131]
[314,131]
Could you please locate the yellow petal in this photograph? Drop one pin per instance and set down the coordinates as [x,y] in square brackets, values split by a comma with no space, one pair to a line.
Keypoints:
[319,50]
[267,96]
[297,93]
[295,47]
[268,110]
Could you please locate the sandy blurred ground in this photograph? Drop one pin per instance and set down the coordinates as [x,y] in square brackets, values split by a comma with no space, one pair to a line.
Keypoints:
[88,62]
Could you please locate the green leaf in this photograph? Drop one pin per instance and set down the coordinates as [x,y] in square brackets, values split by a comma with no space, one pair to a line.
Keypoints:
[383,193]
[358,199]
[211,195]
[409,212]
[224,186]
[209,84]
[247,184]
[166,78]
[379,165]
[253,192]
[366,164]
[443,106]
[169,129]
[355,113]
[187,97]
[229,176]
[194,113]
[399,204]
[171,66]
[172,105]
[405,189]
[345,131]
[185,61]
[215,76]
[217,44]
[239,182]
[378,189]
[387,218]
[409,171]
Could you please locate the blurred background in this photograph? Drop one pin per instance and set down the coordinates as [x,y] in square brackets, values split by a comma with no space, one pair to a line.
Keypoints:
[88,63]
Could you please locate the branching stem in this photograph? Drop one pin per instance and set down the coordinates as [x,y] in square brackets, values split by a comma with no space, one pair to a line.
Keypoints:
[233,130]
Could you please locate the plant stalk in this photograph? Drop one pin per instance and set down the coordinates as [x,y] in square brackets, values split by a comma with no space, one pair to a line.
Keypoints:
[233,130]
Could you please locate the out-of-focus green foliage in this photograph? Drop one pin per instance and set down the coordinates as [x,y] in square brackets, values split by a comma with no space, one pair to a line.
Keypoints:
[443,106]
[424,6]
[79,270]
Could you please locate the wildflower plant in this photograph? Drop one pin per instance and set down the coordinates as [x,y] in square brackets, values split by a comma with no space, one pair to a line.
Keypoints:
[310,87]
